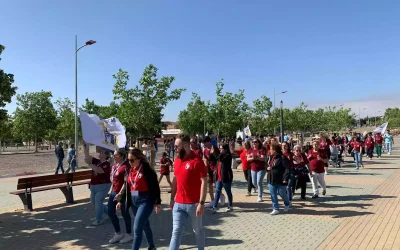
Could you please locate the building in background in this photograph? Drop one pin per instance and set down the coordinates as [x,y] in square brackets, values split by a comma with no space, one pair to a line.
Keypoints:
[171,130]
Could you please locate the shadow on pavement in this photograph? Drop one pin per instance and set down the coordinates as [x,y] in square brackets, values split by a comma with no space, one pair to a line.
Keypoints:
[65,227]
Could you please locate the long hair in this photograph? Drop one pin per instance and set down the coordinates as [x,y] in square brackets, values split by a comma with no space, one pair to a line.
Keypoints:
[139,155]
[277,148]
[226,148]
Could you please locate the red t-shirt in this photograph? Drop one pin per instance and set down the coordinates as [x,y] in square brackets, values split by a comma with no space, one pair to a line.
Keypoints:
[316,165]
[257,165]
[323,145]
[164,170]
[137,180]
[199,153]
[378,139]
[211,166]
[369,144]
[118,176]
[243,156]
[357,146]
[101,178]
[219,175]
[290,158]
[188,173]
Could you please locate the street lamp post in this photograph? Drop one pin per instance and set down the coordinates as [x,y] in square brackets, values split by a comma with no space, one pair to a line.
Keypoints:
[359,115]
[283,92]
[282,135]
[90,42]
[375,116]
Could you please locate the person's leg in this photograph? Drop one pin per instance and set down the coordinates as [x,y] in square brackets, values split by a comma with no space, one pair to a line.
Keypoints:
[260,178]
[141,223]
[274,196]
[390,147]
[379,150]
[254,178]
[127,218]
[197,225]
[282,190]
[179,216]
[58,166]
[356,157]
[211,185]
[61,165]
[169,180]
[228,190]
[321,181]
[99,199]
[291,186]
[218,189]
[159,180]
[303,186]
[112,213]
[245,173]
[314,182]
[250,181]
[93,196]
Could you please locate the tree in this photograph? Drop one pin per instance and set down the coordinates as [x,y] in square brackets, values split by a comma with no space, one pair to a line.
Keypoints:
[140,107]
[392,116]
[35,116]
[227,114]
[259,115]
[195,117]
[6,127]
[66,119]
[7,91]
[102,111]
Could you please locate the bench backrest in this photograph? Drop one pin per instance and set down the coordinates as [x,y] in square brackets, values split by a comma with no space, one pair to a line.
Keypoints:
[47,180]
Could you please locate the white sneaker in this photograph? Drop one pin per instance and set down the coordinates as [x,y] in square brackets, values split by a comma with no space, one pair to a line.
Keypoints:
[229,209]
[286,209]
[259,200]
[127,238]
[274,212]
[117,237]
[248,194]
[209,205]
[326,173]
[222,199]
[213,210]
[96,223]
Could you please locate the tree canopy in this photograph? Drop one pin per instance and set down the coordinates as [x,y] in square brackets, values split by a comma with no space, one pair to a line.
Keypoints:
[7,90]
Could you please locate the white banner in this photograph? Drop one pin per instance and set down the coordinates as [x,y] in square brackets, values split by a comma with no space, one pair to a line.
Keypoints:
[247,131]
[107,133]
[381,129]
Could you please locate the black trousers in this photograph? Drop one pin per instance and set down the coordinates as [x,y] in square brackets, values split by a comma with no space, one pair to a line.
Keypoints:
[370,152]
[247,176]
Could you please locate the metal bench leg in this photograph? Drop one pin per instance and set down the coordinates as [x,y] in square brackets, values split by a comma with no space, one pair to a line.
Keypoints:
[68,193]
[27,201]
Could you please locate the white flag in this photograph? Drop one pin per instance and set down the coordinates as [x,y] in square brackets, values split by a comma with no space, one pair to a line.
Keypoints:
[206,134]
[107,133]
[381,129]
[247,131]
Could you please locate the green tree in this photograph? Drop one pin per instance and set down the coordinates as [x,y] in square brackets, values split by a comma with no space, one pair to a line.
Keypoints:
[66,119]
[102,111]
[193,119]
[260,112]
[6,127]
[392,116]
[140,108]
[35,116]
[7,91]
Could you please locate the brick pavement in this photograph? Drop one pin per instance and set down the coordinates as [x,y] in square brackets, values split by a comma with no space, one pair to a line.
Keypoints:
[360,211]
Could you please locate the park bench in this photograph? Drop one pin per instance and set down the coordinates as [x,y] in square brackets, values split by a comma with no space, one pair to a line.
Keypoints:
[64,182]
[41,147]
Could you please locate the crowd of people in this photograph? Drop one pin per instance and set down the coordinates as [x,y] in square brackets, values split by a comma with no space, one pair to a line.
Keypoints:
[203,166]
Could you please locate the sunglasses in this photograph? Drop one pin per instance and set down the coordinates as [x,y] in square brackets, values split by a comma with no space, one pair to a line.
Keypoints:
[298,150]
[131,160]
[255,141]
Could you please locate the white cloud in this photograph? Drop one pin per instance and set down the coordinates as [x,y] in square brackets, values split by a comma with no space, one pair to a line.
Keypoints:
[372,106]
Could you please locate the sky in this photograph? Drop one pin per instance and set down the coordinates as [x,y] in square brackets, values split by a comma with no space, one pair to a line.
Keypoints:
[323,53]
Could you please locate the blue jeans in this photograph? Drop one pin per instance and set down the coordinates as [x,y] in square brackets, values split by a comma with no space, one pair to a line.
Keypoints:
[274,189]
[357,158]
[291,188]
[180,213]
[142,207]
[98,193]
[218,189]
[389,147]
[257,177]
[60,165]
[112,214]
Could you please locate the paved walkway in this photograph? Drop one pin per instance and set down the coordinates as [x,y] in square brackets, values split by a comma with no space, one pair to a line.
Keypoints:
[360,211]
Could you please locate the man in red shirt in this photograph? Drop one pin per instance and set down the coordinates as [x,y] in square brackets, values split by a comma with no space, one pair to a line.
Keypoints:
[317,159]
[189,190]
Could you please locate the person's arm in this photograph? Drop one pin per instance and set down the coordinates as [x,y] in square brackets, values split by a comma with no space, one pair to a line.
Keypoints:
[88,158]
[250,157]
[173,193]
[98,170]
[152,182]
[286,173]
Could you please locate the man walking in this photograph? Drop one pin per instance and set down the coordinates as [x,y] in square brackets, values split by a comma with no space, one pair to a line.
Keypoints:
[189,189]
[388,141]
[60,157]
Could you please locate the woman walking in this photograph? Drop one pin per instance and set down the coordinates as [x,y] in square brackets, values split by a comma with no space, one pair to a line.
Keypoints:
[117,179]
[300,162]
[317,159]
[224,177]
[292,175]
[256,157]
[357,147]
[369,145]
[277,178]
[242,152]
[144,196]
[100,182]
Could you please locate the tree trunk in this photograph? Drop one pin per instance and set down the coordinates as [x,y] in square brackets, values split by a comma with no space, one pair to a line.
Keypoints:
[35,144]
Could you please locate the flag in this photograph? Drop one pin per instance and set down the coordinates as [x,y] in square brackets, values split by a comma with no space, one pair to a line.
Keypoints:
[381,129]
[206,134]
[247,131]
[106,133]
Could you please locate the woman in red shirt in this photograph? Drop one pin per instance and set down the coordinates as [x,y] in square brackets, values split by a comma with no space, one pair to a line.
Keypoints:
[118,179]
[369,144]
[242,152]
[145,196]
[357,147]
[300,163]
[256,158]
[100,182]
[317,159]
[292,178]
